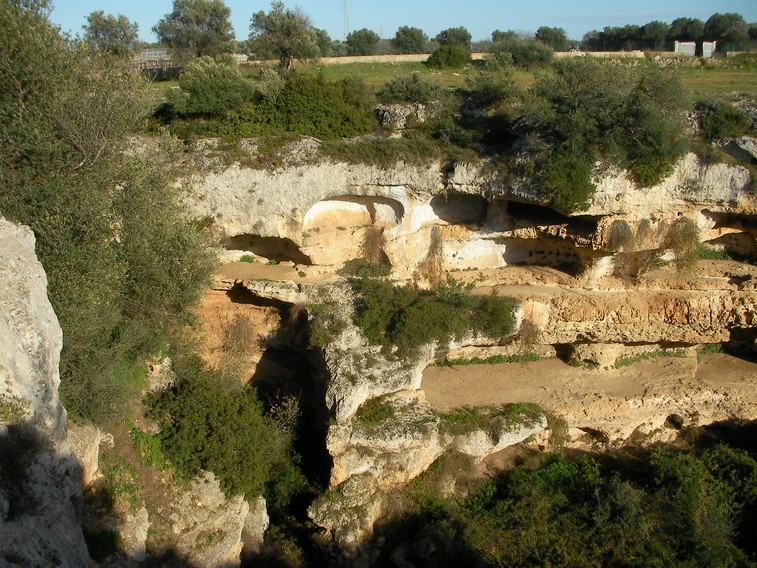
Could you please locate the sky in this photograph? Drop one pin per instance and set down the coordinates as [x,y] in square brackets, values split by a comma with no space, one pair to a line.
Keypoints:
[480,17]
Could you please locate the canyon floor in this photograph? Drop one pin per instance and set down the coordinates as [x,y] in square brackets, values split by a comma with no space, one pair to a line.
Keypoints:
[707,383]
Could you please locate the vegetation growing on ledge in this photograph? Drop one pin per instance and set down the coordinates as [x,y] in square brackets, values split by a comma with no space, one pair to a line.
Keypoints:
[213,423]
[490,418]
[587,110]
[406,318]
[676,509]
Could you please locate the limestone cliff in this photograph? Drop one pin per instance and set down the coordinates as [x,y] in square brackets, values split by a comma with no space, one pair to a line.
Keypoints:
[39,477]
[586,283]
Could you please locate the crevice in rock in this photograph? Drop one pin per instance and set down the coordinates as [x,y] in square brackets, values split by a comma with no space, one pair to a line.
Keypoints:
[529,215]
[460,208]
[546,251]
[279,249]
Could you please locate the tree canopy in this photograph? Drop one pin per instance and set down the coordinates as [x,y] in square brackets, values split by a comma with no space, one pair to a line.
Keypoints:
[362,42]
[556,38]
[686,29]
[409,40]
[729,29]
[111,34]
[284,34]
[121,257]
[196,28]
[454,36]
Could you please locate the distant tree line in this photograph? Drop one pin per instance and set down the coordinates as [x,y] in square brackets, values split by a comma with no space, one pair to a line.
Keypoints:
[731,32]
[197,28]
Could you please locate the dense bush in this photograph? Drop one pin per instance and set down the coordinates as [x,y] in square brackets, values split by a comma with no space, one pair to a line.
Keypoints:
[663,508]
[121,257]
[491,82]
[218,425]
[720,120]
[383,152]
[451,55]
[210,86]
[309,105]
[409,89]
[525,52]
[300,103]
[633,118]
[408,318]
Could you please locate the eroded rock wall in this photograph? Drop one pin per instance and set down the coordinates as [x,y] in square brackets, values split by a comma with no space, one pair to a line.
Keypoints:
[39,477]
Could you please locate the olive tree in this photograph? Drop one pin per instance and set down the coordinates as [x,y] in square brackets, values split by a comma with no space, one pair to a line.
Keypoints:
[454,36]
[111,34]
[409,40]
[287,35]
[362,42]
[556,38]
[196,28]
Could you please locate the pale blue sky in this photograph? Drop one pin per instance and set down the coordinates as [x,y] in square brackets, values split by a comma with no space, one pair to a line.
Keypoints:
[481,17]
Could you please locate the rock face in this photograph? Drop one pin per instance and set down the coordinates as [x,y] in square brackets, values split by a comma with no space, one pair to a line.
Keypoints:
[39,477]
[587,286]
[324,213]
[208,525]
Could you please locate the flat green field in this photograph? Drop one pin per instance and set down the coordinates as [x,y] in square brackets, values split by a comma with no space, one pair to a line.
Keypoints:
[720,83]
[703,82]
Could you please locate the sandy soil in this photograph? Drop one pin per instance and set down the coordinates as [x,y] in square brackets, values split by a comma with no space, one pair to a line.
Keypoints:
[553,383]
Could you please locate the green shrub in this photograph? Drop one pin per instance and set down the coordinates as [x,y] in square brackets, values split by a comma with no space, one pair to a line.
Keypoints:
[383,152]
[325,325]
[453,56]
[309,105]
[211,86]
[210,423]
[359,268]
[405,318]
[409,89]
[719,119]
[633,118]
[374,412]
[491,82]
[525,52]
[616,510]
[566,178]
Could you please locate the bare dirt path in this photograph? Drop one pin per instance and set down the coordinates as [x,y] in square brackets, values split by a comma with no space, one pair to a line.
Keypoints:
[553,383]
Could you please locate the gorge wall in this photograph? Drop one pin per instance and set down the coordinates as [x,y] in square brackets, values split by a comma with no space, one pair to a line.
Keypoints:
[39,476]
[593,288]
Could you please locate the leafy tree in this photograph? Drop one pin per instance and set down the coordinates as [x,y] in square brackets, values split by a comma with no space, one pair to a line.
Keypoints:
[556,38]
[654,33]
[196,28]
[686,29]
[324,42]
[110,34]
[122,259]
[287,35]
[454,36]
[362,42]
[729,30]
[409,40]
[499,35]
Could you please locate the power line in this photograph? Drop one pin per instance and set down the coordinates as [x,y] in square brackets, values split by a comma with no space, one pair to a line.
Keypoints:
[346,22]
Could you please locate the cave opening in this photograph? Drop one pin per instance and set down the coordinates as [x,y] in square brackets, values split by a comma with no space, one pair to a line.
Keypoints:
[460,208]
[280,249]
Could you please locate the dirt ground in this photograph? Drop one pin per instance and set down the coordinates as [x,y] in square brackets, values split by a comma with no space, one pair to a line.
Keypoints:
[551,382]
